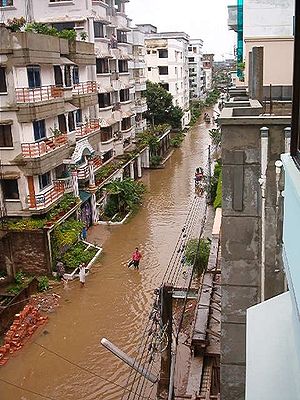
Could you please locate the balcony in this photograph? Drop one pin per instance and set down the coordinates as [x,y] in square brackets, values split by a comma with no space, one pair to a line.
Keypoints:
[37,95]
[84,171]
[232,17]
[48,145]
[140,84]
[140,126]
[65,183]
[47,198]
[92,126]
[85,88]
[141,106]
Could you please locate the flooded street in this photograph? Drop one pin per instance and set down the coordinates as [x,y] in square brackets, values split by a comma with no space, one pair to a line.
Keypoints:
[116,300]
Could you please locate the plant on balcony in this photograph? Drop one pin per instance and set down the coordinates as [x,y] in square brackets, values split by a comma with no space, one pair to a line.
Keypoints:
[67,202]
[123,196]
[214,180]
[155,161]
[16,24]
[177,139]
[83,36]
[55,132]
[197,254]
[44,29]
[32,223]
[68,34]
[78,254]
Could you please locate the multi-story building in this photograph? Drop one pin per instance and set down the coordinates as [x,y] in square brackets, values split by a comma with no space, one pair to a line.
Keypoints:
[196,74]
[167,64]
[105,24]
[208,62]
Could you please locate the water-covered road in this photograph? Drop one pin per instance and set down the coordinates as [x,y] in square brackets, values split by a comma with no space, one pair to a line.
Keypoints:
[115,300]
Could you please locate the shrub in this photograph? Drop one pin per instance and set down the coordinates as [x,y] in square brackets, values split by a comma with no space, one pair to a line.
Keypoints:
[177,140]
[218,199]
[214,180]
[155,161]
[78,255]
[68,34]
[43,283]
[16,24]
[197,254]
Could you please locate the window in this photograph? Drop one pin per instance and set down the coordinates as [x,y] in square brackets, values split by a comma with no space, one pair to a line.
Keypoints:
[126,124]
[62,125]
[44,180]
[121,36]
[5,136]
[191,59]
[3,87]
[58,78]
[163,70]
[61,26]
[106,134]
[39,130]
[190,48]
[68,82]
[71,121]
[148,52]
[123,65]
[75,74]
[6,3]
[104,100]
[176,71]
[78,117]
[195,49]
[102,66]
[124,95]
[162,53]
[10,189]
[165,86]
[154,51]
[98,29]
[149,69]
[34,76]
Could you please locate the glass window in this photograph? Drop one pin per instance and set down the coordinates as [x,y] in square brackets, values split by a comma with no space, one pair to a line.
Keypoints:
[162,53]
[104,100]
[191,59]
[10,189]
[68,81]
[165,86]
[44,180]
[149,69]
[3,87]
[102,66]
[71,121]
[5,136]
[39,130]
[98,29]
[75,74]
[126,124]
[124,95]
[78,117]
[62,125]
[6,3]
[123,65]
[121,36]
[58,78]
[163,70]
[61,26]
[34,76]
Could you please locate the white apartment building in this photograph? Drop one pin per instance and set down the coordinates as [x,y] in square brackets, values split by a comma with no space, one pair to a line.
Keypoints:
[208,61]
[105,24]
[196,74]
[167,64]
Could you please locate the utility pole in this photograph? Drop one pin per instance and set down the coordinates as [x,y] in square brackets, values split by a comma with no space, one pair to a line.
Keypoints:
[166,322]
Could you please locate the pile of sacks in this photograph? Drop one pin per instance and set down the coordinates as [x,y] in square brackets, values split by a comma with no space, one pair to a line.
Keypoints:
[20,331]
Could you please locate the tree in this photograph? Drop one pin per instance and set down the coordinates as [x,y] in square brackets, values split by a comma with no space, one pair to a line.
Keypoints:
[160,106]
[197,254]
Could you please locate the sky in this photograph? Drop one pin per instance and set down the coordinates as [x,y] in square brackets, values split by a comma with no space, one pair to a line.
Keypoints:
[201,19]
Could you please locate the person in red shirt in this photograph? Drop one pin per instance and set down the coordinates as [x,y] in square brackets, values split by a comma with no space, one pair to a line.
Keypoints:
[135,260]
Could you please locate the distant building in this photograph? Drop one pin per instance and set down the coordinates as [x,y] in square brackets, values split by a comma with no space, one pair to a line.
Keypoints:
[167,64]
[196,74]
[208,62]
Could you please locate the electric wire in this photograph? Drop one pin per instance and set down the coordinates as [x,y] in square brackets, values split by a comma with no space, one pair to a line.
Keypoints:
[28,390]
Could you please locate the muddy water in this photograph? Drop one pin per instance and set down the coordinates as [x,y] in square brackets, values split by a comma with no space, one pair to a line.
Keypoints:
[116,300]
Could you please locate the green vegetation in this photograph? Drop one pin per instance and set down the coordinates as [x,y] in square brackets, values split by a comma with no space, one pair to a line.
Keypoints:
[177,139]
[218,199]
[160,106]
[43,283]
[155,161]
[197,107]
[197,253]
[68,232]
[78,254]
[212,97]
[216,136]
[20,281]
[123,196]
[215,179]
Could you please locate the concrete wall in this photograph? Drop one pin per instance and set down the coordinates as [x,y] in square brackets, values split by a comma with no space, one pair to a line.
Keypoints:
[241,238]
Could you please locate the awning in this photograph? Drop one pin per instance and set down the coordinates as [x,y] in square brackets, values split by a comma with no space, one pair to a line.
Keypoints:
[124,56]
[10,175]
[127,114]
[66,61]
[7,122]
[105,123]
[98,18]
[69,107]
[102,54]
[84,196]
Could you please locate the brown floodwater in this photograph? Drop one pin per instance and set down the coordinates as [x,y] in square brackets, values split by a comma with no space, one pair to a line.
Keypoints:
[115,301]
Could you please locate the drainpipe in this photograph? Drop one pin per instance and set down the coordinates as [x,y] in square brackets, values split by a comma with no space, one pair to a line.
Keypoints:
[264,142]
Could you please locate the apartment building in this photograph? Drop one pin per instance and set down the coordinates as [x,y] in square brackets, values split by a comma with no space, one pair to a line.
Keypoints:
[196,73]
[167,64]
[208,63]
[105,24]
[48,115]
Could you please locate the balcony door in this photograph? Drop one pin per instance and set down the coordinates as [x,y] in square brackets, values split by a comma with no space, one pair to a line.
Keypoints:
[34,76]
[58,76]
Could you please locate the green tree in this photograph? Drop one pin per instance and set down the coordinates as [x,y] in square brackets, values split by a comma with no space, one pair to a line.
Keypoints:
[160,106]
[197,254]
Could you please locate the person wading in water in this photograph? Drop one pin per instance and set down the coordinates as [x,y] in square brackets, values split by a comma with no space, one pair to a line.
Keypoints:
[135,260]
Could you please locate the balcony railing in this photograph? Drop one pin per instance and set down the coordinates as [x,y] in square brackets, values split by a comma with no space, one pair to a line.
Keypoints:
[37,95]
[38,149]
[84,171]
[141,105]
[89,127]
[64,183]
[106,137]
[44,200]
[85,88]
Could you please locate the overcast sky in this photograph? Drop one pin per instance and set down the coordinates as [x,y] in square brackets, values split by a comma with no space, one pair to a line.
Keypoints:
[204,19]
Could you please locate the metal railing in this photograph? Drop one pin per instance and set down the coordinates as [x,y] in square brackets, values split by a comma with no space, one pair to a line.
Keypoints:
[64,183]
[38,149]
[36,95]
[91,126]
[85,88]
[43,200]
